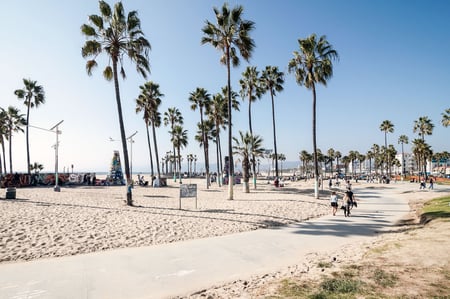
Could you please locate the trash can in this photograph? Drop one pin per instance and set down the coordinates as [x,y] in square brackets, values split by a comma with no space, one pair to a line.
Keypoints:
[11,193]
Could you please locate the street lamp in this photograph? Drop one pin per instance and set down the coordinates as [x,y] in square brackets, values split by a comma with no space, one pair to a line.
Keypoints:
[57,132]
[130,139]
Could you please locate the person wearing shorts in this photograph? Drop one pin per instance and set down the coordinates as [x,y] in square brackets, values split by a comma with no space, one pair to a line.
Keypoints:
[334,202]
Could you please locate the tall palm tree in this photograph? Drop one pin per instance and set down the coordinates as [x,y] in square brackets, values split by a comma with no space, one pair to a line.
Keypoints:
[250,89]
[217,113]
[32,95]
[423,126]
[387,127]
[304,156]
[3,138]
[149,101]
[272,80]
[247,146]
[229,34]
[370,155]
[446,118]
[14,122]
[331,155]
[201,99]
[180,140]
[312,65]
[403,139]
[117,35]
[173,117]
[337,155]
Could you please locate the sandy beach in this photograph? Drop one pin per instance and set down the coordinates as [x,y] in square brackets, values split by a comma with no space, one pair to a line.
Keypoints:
[42,223]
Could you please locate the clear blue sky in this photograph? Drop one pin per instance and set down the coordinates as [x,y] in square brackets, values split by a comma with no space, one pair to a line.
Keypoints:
[394,65]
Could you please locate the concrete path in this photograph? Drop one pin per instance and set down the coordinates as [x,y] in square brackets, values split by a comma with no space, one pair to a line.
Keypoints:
[180,268]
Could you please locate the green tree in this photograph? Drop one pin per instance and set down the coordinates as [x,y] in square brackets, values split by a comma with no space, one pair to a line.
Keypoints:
[201,100]
[149,101]
[179,140]
[272,80]
[305,157]
[173,117]
[251,89]
[446,118]
[423,126]
[229,35]
[32,95]
[337,155]
[14,122]
[118,35]
[387,127]
[331,155]
[370,155]
[403,139]
[312,65]
[422,151]
[247,146]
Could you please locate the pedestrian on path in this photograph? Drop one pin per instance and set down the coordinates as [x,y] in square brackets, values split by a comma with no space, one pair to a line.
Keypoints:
[431,184]
[334,202]
[348,202]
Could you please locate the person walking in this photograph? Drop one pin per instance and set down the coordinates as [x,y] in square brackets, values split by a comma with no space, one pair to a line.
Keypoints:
[348,202]
[430,187]
[334,202]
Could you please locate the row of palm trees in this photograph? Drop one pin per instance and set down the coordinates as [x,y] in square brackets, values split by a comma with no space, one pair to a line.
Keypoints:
[384,156]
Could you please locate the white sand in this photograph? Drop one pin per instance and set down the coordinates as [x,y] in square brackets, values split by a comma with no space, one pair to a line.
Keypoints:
[42,223]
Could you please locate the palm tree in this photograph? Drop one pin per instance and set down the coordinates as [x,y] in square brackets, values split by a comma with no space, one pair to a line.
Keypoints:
[337,155]
[149,101]
[14,122]
[217,113]
[281,158]
[272,81]
[387,127]
[446,118]
[423,126]
[353,155]
[179,140]
[3,138]
[230,32]
[304,156]
[117,35]
[331,155]
[201,99]
[422,151]
[247,146]
[250,88]
[370,155]
[33,96]
[403,139]
[313,65]
[173,117]
[37,167]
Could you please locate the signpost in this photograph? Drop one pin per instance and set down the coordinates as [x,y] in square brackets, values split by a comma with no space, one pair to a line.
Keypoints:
[188,190]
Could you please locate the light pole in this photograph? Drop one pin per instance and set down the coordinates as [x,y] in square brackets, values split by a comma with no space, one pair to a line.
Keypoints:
[130,139]
[57,132]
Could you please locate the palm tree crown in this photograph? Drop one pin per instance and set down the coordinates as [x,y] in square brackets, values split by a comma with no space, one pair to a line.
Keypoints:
[423,126]
[446,118]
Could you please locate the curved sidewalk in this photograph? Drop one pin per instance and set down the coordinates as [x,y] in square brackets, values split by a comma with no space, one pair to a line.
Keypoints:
[180,268]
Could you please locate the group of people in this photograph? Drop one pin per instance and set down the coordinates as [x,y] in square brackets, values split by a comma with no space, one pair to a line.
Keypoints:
[348,202]
[423,184]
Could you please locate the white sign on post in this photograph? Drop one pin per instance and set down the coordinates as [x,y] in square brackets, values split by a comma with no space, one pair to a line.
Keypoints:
[188,190]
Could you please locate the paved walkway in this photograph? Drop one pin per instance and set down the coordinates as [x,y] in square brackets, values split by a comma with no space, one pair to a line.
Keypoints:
[180,268]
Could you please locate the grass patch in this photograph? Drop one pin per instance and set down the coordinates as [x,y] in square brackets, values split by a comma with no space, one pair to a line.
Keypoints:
[340,285]
[384,279]
[323,264]
[436,208]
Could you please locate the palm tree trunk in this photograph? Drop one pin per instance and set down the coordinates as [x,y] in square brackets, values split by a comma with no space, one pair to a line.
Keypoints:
[156,152]
[230,133]
[4,156]
[316,166]
[122,134]
[10,152]
[251,134]
[205,149]
[218,161]
[149,150]
[274,135]
[28,143]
